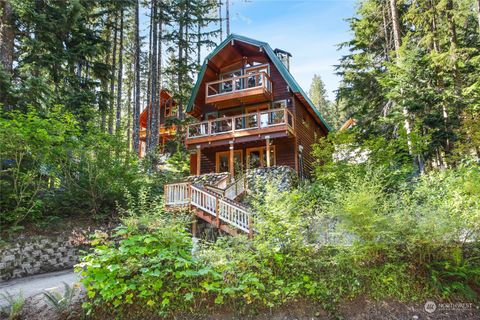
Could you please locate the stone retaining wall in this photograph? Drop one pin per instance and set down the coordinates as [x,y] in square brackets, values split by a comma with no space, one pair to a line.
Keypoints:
[282,177]
[30,256]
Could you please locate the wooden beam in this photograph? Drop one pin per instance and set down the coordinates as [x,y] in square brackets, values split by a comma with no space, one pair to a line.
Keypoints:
[194,225]
[267,138]
[231,162]
[199,161]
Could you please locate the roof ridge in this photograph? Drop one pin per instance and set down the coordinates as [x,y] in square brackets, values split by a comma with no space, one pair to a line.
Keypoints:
[286,74]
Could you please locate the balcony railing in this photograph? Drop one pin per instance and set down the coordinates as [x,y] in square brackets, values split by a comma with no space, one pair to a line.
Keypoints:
[255,83]
[162,131]
[250,121]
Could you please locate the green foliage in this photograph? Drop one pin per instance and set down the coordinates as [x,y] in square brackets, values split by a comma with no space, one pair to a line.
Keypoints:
[431,79]
[147,263]
[50,169]
[32,151]
[14,305]
[62,303]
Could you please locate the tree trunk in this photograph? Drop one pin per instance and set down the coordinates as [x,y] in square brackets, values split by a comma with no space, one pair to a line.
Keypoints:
[228,17]
[180,60]
[199,43]
[154,93]
[220,20]
[136,112]
[129,110]
[397,39]
[6,36]
[398,43]
[120,77]
[112,78]
[149,81]
[478,14]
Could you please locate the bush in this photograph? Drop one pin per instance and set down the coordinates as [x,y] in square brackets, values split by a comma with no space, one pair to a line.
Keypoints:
[32,151]
[326,241]
[50,168]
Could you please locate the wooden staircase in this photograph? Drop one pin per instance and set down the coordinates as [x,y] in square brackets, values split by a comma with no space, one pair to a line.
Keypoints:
[217,207]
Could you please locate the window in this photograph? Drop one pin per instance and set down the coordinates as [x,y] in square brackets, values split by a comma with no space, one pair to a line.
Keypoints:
[279,104]
[228,86]
[305,120]
[256,157]
[170,109]
[223,158]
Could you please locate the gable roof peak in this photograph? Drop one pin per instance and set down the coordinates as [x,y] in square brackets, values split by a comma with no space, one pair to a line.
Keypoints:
[292,83]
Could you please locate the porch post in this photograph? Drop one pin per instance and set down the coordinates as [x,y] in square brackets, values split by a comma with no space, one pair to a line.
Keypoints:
[268,150]
[199,159]
[231,162]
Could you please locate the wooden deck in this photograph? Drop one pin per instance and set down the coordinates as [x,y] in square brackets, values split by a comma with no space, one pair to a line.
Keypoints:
[246,125]
[246,89]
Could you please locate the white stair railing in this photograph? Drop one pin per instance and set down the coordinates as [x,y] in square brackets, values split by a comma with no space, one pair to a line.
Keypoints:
[177,194]
[236,188]
[204,200]
[234,214]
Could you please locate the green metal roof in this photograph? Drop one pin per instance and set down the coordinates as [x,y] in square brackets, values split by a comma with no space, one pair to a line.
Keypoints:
[294,86]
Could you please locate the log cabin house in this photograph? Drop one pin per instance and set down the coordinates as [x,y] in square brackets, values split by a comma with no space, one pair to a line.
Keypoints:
[167,109]
[251,113]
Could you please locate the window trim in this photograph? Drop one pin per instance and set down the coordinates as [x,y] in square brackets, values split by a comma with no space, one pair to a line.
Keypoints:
[262,150]
[173,110]
[218,154]
[282,100]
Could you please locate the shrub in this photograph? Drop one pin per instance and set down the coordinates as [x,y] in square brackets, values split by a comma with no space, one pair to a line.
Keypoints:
[384,241]
[14,305]
[33,149]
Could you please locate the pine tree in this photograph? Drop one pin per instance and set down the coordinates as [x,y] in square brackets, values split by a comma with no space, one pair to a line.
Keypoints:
[118,113]
[137,87]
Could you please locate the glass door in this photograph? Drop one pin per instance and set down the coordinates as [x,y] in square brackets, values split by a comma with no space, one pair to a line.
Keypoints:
[257,158]
[223,161]
[228,86]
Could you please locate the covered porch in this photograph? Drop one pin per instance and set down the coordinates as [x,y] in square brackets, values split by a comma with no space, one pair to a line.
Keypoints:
[238,156]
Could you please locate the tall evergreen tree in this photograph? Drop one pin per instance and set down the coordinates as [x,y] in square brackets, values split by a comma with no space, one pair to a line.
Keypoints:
[137,87]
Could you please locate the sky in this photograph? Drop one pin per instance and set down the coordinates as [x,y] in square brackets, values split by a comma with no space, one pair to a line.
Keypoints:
[309,29]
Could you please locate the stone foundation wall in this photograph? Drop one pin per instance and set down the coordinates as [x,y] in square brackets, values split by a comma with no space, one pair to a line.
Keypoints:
[30,256]
[219,180]
[282,177]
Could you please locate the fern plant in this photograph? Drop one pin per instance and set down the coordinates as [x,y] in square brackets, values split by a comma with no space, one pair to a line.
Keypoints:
[62,302]
[14,306]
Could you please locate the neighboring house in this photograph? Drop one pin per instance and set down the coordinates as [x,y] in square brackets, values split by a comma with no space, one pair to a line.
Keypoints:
[347,152]
[251,112]
[167,108]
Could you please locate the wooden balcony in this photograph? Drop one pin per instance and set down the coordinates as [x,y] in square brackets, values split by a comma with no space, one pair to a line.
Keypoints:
[246,125]
[162,132]
[249,88]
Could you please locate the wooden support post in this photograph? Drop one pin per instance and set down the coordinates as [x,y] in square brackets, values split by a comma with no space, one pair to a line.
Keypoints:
[268,151]
[165,196]
[194,225]
[231,162]
[199,160]
[217,211]
[250,227]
